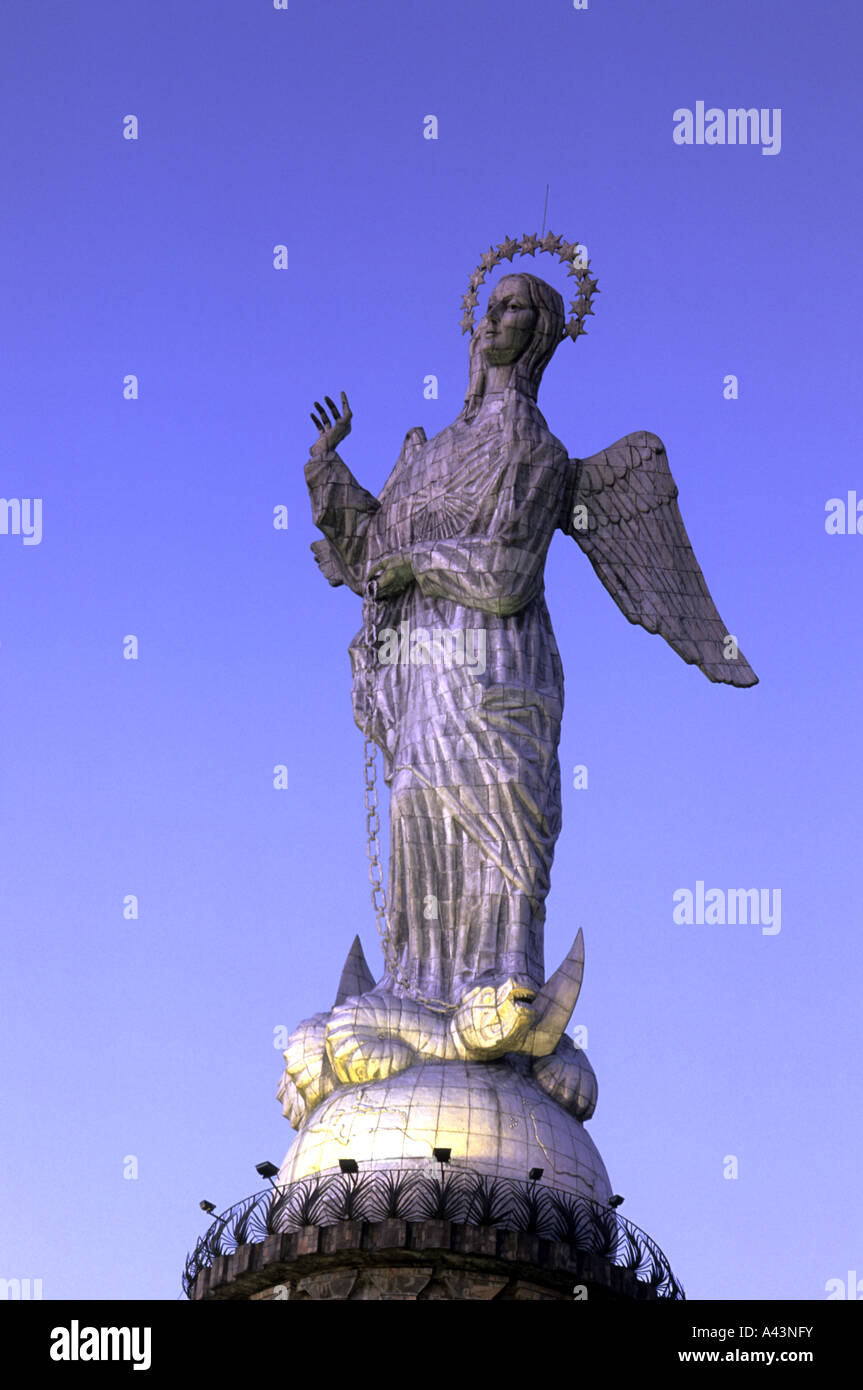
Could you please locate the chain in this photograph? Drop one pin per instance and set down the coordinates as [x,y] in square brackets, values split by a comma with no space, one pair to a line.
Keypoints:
[373,851]
[373,848]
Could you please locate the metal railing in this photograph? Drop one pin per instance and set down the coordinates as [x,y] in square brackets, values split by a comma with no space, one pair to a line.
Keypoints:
[458,1195]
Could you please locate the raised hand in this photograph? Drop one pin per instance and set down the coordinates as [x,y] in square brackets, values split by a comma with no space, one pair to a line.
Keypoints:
[331,433]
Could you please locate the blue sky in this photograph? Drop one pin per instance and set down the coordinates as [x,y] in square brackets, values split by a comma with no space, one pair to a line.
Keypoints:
[154,1038]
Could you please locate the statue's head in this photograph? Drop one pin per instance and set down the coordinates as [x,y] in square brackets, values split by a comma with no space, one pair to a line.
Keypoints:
[521,328]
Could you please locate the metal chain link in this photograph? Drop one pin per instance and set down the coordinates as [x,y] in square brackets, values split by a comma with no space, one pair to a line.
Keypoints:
[373,848]
[373,851]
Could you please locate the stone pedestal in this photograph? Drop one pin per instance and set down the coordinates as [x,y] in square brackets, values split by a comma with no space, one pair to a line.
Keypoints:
[406,1261]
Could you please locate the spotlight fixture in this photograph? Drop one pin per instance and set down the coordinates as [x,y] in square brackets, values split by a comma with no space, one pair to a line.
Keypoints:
[348,1165]
[535,1173]
[267,1170]
[615,1201]
[442,1155]
[208,1207]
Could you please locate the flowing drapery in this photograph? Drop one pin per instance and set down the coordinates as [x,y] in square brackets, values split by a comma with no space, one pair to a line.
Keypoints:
[468,688]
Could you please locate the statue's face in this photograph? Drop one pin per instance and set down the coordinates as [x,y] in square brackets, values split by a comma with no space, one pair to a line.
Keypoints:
[509,321]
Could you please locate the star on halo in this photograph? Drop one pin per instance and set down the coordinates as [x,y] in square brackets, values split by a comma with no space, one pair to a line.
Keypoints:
[571,254]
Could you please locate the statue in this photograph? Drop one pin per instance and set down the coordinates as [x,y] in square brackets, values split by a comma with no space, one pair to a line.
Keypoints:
[457,681]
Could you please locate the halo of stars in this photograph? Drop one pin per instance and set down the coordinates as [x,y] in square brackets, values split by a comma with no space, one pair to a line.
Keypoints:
[567,253]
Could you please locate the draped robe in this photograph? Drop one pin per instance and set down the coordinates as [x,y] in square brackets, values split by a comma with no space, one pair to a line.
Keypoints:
[470,754]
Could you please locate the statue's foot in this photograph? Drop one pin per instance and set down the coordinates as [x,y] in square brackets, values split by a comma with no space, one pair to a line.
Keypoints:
[567,1076]
[492,1020]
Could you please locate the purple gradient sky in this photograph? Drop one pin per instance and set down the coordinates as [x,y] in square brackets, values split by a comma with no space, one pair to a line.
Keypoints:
[154,1038]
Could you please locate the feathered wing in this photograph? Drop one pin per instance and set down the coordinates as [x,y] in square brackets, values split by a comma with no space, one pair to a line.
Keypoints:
[622,509]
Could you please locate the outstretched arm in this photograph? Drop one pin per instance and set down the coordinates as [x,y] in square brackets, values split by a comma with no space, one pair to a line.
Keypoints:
[341,508]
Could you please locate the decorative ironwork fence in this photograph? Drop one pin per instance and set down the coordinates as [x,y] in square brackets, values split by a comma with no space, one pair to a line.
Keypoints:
[458,1195]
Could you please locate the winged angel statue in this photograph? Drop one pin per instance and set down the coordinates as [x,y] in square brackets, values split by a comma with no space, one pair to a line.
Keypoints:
[453,549]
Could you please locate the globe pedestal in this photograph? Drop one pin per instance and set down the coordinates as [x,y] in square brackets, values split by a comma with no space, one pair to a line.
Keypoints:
[520,1210]
[449,1179]
[493,1117]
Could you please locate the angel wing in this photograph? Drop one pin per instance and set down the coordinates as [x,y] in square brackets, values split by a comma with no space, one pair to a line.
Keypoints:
[622,509]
